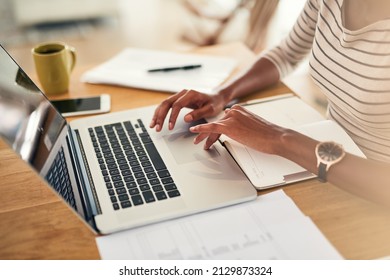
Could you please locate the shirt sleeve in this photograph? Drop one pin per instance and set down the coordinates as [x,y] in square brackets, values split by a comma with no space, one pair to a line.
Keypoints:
[296,46]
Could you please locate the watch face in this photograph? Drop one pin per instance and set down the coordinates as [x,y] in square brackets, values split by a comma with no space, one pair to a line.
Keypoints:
[330,151]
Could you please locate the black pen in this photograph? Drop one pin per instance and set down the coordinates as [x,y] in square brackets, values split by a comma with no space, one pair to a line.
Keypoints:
[167,69]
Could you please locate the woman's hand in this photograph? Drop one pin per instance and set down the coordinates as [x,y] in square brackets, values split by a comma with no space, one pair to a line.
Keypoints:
[242,126]
[204,105]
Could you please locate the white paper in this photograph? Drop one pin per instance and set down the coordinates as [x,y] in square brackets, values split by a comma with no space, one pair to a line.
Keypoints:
[287,111]
[271,227]
[130,68]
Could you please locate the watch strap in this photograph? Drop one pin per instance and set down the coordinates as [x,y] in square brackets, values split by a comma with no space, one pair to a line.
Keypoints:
[322,172]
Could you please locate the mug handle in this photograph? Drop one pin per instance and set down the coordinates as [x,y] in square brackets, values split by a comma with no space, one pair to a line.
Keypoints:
[72,52]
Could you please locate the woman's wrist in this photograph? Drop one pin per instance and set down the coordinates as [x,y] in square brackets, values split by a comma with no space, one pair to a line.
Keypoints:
[261,74]
[298,148]
[226,95]
[282,142]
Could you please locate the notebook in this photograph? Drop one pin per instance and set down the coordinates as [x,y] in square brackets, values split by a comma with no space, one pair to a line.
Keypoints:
[112,170]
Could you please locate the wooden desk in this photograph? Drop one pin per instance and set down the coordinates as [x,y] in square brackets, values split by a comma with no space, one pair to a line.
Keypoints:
[35,224]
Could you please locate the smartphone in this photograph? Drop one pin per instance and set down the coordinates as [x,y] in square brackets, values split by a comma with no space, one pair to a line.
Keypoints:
[83,106]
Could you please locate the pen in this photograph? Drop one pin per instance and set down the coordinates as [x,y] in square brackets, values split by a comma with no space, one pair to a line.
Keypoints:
[167,69]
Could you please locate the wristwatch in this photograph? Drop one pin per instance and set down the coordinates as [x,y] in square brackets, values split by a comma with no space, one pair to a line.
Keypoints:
[327,153]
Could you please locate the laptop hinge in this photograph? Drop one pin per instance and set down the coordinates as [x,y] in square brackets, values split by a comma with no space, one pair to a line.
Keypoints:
[84,175]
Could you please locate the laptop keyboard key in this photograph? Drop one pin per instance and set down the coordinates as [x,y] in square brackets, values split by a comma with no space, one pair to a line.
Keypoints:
[123,197]
[126,204]
[161,195]
[142,181]
[119,184]
[151,175]
[157,188]
[131,185]
[144,188]
[121,191]
[154,182]
[166,180]
[148,196]
[137,200]
[173,193]
[163,173]
[155,156]
[133,191]
[170,187]
[116,178]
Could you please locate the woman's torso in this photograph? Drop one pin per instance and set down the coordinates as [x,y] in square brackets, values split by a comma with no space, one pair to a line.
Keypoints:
[350,61]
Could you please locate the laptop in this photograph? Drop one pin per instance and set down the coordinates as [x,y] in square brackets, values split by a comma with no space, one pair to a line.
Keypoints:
[111,169]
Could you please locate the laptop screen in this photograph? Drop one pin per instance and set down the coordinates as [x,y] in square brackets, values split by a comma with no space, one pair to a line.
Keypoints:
[36,131]
[29,123]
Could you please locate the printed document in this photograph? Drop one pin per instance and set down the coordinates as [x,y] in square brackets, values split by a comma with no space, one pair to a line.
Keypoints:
[271,227]
[130,68]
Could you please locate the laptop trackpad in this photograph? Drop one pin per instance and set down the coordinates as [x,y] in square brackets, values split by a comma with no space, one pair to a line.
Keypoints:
[183,149]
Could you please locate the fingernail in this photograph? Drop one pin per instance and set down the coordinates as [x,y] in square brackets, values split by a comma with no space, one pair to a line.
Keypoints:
[158,127]
[152,123]
[188,118]
[170,126]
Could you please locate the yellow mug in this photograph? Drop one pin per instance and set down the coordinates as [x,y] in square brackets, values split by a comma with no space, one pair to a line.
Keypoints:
[54,62]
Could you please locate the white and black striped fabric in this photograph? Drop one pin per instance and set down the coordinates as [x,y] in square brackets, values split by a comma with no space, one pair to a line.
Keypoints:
[352,68]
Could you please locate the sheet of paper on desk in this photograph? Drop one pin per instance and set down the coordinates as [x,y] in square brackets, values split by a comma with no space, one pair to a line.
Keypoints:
[130,68]
[271,227]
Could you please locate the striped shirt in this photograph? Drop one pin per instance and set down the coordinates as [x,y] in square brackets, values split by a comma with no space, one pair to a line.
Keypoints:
[352,68]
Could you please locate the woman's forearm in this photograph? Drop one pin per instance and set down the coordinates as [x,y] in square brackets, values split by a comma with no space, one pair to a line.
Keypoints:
[366,178]
[258,76]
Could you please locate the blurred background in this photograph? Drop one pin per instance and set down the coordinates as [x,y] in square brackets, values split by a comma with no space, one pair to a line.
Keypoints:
[162,24]
[176,25]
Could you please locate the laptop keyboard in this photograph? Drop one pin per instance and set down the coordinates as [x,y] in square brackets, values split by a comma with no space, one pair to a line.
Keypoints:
[58,178]
[133,170]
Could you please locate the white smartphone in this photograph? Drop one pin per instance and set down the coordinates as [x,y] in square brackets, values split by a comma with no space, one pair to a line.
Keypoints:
[83,106]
